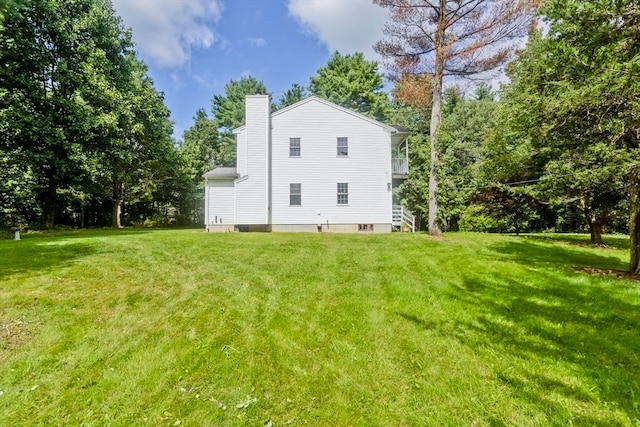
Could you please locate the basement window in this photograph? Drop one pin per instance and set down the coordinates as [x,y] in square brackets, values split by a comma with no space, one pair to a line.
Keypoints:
[365,227]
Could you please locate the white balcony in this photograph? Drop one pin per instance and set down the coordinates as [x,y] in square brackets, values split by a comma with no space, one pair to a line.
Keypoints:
[400,167]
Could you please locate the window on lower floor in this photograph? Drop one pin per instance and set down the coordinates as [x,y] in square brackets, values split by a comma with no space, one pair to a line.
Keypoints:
[295,194]
[343,193]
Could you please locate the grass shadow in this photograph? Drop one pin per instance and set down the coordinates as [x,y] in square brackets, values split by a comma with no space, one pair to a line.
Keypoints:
[535,253]
[42,254]
[588,325]
[561,335]
[582,240]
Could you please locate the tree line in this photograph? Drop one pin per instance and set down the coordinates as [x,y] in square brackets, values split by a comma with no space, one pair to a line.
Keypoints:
[558,149]
[82,128]
[86,138]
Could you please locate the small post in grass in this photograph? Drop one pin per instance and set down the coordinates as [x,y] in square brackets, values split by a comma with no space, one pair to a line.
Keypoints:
[16,231]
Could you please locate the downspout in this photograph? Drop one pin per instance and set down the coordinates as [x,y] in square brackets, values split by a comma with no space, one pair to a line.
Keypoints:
[269,169]
[206,204]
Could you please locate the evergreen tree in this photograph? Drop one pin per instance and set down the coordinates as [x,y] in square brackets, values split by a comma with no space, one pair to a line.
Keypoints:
[352,82]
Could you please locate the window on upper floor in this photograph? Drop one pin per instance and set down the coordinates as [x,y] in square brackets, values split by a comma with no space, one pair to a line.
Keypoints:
[295,194]
[343,193]
[343,146]
[294,147]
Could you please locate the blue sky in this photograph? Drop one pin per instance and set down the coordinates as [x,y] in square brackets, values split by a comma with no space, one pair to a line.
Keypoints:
[194,47]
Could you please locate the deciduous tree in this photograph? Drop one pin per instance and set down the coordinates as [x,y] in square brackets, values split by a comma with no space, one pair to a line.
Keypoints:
[42,81]
[465,123]
[76,108]
[574,98]
[200,151]
[450,37]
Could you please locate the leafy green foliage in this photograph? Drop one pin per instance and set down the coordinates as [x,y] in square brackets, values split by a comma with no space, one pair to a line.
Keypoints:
[462,132]
[10,6]
[449,38]
[465,125]
[76,107]
[202,149]
[292,95]
[475,218]
[516,206]
[572,103]
[352,82]
[228,109]
[41,106]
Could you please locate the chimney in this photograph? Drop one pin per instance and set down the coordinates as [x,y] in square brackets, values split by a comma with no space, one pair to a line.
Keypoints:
[258,131]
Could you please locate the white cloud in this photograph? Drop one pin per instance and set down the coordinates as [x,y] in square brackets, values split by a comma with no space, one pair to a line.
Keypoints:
[257,41]
[165,31]
[347,26]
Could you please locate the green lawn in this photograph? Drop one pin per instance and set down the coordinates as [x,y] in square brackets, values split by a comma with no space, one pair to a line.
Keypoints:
[181,327]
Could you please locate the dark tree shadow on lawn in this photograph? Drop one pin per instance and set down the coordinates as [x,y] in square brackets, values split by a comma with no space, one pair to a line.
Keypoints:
[44,252]
[611,241]
[534,254]
[548,317]
[594,332]
[38,255]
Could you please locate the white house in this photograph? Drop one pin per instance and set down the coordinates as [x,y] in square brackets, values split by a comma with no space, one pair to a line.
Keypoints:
[314,167]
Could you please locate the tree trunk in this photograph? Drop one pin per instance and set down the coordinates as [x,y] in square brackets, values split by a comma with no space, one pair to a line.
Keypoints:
[50,200]
[117,211]
[595,230]
[595,222]
[436,118]
[118,198]
[634,219]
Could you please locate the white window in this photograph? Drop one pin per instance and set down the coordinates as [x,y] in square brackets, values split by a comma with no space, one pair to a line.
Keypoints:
[295,194]
[294,147]
[343,146]
[343,193]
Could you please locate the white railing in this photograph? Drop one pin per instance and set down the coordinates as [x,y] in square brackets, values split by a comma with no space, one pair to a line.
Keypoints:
[400,166]
[401,218]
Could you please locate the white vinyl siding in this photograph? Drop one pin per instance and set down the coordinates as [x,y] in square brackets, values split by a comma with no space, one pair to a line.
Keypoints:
[221,203]
[367,169]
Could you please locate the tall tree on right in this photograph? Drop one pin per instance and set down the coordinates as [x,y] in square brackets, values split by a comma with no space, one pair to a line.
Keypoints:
[574,99]
[455,38]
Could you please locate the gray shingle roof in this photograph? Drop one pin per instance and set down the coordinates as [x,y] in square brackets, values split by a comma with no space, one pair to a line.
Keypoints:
[401,129]
[221,173]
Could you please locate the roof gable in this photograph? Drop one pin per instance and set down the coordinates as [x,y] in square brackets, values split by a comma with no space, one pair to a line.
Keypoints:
[314,98]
